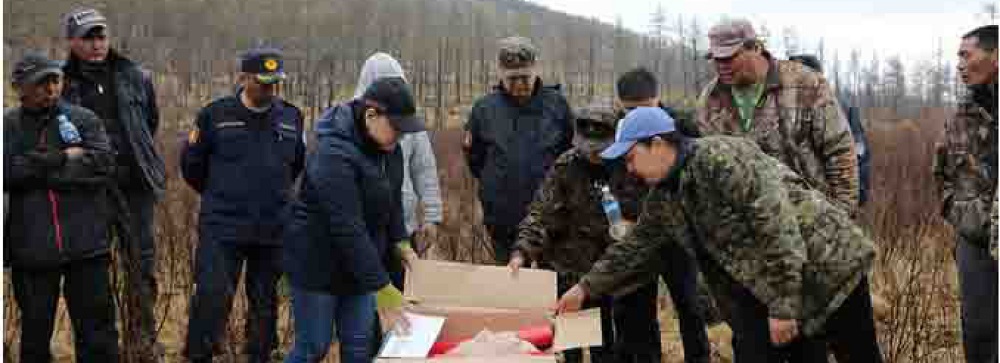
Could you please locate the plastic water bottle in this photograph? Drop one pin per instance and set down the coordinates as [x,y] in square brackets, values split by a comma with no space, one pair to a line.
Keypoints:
[613,211]
[67,131]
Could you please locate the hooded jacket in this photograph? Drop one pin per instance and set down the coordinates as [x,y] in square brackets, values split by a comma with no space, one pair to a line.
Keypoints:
[420,179]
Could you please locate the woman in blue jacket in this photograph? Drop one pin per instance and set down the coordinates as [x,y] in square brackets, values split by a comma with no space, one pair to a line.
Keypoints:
[346,222]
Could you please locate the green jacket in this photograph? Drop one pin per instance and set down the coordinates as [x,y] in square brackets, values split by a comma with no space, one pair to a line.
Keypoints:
[749,220]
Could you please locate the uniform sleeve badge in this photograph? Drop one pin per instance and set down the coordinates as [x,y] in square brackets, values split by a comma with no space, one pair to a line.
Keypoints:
[194,136]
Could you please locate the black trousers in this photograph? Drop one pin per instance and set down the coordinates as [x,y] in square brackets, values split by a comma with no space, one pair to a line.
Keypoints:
[87,292]
[752,335]
[851,329]
[217,271]
[503,238]
[680,272]
[637,328]
[141,204]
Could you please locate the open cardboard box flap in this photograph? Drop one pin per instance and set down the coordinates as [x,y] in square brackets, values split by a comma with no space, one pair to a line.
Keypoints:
[473,298]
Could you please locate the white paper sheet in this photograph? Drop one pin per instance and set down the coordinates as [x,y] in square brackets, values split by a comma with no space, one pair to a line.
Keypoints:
[424,330]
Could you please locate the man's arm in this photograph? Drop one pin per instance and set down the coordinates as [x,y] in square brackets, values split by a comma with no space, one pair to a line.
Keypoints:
[423,174]
[832,136]
[634,261]
[91,165]
[197,150]
[475,151]
[154,109]
[532,232]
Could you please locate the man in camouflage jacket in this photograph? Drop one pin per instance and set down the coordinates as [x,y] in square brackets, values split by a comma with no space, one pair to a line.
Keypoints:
[966,169]
[786,108]
[567,230]
[786,266]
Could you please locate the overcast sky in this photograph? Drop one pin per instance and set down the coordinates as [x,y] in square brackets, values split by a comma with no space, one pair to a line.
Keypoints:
[908,28]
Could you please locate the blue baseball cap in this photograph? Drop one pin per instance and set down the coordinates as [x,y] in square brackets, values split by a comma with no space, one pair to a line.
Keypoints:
[638,124]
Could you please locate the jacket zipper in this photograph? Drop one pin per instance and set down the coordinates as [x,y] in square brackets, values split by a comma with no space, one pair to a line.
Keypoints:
[54,202]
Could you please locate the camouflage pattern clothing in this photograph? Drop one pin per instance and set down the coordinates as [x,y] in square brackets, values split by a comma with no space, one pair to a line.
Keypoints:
[750,220]
[797,121]
[966,170]
[566,228]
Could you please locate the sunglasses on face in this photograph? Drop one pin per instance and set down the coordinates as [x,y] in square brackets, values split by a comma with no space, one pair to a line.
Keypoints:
[594,130]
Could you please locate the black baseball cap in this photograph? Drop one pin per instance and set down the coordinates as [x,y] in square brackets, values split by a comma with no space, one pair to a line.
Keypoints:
[264,63]
[34,67]
[393,97]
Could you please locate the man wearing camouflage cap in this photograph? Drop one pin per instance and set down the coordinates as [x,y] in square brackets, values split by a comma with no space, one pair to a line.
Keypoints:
[787,109]
[786,265]
[567,230]
[512,138]
[121,93]
[56,164]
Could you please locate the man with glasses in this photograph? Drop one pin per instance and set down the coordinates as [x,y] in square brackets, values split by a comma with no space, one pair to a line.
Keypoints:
[121,93]
[243,156]
[787,109]
[512,138]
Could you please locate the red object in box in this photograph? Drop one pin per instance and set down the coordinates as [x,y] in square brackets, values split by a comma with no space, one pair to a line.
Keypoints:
[539,336]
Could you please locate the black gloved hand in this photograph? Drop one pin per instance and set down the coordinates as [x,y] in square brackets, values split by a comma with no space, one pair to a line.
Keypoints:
[46,159]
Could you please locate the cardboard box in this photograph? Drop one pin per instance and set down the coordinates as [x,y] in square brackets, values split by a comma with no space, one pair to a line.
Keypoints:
[476,297]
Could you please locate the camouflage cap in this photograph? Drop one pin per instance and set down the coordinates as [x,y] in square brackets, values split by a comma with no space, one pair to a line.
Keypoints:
[725,38]
[599,112]
[516,53]
[594,128]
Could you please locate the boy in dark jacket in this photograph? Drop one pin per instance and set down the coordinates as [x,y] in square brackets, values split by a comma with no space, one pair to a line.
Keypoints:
[56,163]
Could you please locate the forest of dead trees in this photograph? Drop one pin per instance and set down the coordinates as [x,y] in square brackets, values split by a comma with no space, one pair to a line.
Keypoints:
[446,46]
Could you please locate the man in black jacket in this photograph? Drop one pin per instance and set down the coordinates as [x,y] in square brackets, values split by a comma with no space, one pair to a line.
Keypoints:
[121,94]
[512,138]
[56,162]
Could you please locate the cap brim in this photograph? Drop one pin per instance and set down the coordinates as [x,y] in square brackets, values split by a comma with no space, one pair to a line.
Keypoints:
[42,74]
[407,124]
[518,72]
[617,150]
[82,30]
[270,78]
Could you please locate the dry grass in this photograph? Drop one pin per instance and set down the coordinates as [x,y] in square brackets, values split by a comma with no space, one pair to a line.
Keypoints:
[914,277]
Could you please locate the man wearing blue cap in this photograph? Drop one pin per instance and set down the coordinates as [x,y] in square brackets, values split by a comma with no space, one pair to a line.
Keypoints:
[787,266]
[243,156]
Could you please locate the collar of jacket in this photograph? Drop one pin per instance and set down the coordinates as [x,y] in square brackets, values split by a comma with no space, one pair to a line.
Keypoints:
[74,65]
[685,149]
[985,96]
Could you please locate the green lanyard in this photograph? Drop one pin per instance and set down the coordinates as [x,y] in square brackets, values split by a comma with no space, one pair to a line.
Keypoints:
[746,101]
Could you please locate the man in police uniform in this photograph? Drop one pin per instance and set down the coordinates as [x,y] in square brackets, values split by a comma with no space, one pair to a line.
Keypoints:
[242,157]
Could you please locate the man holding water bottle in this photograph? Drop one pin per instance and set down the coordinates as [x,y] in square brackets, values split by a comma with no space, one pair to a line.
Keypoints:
[56,161]
[571,222]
